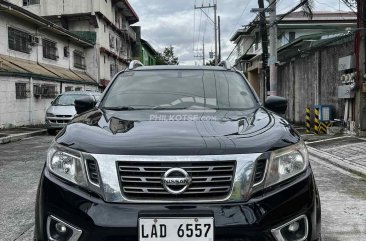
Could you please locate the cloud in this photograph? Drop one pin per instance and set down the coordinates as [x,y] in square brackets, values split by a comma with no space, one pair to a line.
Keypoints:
[175,22]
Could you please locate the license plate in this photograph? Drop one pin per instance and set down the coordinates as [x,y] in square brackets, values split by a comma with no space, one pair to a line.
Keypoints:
[174,229]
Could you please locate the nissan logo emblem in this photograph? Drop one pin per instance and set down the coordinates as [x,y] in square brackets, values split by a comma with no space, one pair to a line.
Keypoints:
[176,180]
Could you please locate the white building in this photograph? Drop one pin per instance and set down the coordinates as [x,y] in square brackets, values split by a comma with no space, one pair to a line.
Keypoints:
[104,22]
[38,60]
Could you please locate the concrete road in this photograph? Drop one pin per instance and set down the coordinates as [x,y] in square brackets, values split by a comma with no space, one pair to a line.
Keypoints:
[343,195]
[343,202]
[21,164]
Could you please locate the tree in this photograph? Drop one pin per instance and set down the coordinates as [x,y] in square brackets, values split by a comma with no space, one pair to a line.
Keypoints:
[167,57]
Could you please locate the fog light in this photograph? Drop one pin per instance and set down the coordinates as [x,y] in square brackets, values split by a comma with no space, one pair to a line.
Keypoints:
[58,230]
[293,227]
[295,230]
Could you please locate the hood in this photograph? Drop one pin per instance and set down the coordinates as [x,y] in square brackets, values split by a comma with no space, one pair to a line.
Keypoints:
[177,132]
[62,110]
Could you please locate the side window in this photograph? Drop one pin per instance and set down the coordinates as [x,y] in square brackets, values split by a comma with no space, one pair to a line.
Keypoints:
[291,36]
[68,88]
[79,60]
[49,49]
[49,91]
[20,90]
[30,2]
[18,40]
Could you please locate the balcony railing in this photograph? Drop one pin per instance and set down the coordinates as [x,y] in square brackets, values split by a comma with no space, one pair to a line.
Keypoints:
[131,33]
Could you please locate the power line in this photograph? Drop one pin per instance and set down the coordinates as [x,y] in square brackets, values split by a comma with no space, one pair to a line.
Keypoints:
[241,15]
[276,22]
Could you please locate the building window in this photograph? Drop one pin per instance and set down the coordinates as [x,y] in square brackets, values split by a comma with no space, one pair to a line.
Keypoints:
[30,2]
[78,89]
[79,60]
[104,28]
[68,88]
[18,40]
[291,36]
[49,91]
[49,49]
[20,90]
[113,69]
[111,41]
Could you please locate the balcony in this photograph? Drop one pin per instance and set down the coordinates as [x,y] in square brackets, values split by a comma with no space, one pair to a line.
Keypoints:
[129,31]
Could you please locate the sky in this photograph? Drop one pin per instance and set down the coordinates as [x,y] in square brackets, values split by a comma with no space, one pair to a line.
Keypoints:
[176,23]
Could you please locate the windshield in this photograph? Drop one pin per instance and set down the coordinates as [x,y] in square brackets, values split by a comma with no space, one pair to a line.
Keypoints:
[179,89]
[66,99]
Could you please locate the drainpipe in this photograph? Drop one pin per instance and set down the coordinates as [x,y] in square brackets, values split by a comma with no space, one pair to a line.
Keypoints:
[31,101]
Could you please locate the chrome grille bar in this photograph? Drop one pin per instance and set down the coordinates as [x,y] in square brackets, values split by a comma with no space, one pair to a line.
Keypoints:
[210,180]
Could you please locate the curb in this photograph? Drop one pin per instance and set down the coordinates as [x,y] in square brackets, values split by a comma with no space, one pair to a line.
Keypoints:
[17,137]
[339,162]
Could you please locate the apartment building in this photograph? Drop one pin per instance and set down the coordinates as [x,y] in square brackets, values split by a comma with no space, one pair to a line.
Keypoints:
[103,22]
[38,60]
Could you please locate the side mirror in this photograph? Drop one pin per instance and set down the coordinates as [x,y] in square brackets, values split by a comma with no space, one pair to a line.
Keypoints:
[52,102]
[276,104]
[84,104]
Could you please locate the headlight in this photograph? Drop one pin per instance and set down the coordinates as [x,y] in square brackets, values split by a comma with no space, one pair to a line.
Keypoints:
[286,163]
[67,164]
[50,115]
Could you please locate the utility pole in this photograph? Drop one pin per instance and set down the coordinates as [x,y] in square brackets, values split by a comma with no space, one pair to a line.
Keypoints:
[219,27]
[264,35]
[203,52]
[273,47]
[214,21]
[361,69]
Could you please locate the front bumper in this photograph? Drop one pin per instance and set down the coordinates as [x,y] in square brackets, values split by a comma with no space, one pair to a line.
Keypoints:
[248,221]
[56,123]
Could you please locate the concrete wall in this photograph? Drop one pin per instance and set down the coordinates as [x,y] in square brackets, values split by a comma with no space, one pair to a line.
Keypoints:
[31,110]
[313,80]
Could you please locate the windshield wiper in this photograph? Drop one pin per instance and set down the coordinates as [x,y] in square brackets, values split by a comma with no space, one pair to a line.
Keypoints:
[119,108]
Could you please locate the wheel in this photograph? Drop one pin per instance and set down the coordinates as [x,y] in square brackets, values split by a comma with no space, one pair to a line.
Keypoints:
[51,132]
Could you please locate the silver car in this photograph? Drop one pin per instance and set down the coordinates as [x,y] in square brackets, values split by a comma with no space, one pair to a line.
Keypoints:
[62,109]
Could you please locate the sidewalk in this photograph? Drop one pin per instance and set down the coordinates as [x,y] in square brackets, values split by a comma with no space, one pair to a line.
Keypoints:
[16,134]
[346,152]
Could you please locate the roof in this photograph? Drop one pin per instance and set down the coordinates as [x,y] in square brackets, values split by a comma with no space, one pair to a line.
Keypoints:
[309,43]
[179,67]
[81,93]
[20,12]
[127,10]
[298,20]
[21,67]
[148,45]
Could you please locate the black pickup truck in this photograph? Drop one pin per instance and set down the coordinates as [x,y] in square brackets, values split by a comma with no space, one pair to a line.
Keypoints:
[178,153]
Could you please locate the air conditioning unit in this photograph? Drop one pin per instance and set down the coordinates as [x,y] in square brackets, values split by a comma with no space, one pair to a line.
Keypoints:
[33,40]
[66,51]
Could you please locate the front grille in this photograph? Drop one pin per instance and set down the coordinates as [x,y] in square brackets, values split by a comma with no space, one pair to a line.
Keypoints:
[260,170]
[210,180]
[93,171]
[59,121]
